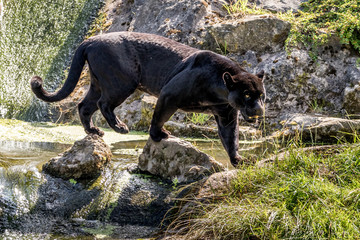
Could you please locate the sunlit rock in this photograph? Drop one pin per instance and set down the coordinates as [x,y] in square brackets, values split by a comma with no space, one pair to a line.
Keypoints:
[279,5]
[177,160]
[258,33]
[85,159]
[317,128]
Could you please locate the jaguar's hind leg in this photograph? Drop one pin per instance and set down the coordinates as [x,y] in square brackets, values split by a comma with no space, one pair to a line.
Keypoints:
[107,106]
[87,108]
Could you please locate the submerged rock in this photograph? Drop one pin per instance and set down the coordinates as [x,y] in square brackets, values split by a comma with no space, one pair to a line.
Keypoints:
[85,159]
[174,158]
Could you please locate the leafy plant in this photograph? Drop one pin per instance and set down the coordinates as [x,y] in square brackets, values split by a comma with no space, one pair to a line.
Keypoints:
[175,183]
[316,105]
[240,8]
[320,19]
[199,118]
[73,181]
[315,23]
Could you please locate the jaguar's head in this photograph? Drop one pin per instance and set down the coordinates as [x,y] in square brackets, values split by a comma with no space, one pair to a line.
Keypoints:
[246,93]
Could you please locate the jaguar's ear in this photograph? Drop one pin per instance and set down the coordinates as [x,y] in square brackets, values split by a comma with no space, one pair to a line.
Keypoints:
[261,75]
[228,80]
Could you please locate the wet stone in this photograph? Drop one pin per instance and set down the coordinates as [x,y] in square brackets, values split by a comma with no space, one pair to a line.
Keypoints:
[85,159]
[177,160]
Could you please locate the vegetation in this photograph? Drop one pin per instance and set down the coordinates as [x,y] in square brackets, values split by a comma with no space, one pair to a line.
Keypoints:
[304,196]
[199,118]
[316,22]
[320,19]
[240,8]
[38,37]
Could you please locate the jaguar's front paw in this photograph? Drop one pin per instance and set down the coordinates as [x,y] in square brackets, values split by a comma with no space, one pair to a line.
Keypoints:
[238,160]
[95,130]
[121,128]
[158,134]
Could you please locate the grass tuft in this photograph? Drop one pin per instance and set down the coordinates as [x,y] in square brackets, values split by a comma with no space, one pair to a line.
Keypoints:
[304,196]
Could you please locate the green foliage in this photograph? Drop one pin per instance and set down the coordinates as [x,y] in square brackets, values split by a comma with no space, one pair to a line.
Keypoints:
[319,19]
[175,183]
[73,181]
[237,6]
[99,25]
[304,196]
[315,23]
[38,38]
[240,8]
[199,118]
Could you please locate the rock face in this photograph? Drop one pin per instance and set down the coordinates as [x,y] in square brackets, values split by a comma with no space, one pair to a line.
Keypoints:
[85,159]
[177,159]
[296,83]
[191,22]
[279,5]
[321,128]
[257,33]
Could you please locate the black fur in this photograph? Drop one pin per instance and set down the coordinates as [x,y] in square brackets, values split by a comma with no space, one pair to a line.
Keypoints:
[180,76]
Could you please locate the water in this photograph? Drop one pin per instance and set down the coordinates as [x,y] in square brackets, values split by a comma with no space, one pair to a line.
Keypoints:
[38,38]
[116,205]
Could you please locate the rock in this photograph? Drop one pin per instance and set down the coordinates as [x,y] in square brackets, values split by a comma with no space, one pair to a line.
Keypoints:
[146,112]
[297,83]
[217,185]
[257,33]
[175,19]
[174,158]
[279,5]
[85,159]
[352,98]
[190,130]
[320,128]
[132,204]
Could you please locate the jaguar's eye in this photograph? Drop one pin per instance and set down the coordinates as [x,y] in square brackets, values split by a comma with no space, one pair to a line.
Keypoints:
[247,96]
[261,95]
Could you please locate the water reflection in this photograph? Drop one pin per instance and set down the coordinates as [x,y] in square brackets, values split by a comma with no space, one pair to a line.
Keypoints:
[30,154]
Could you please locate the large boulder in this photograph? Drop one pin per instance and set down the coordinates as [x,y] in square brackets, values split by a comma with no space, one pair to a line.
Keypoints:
[262,33]
[179,20]
[177,160]
[85,159]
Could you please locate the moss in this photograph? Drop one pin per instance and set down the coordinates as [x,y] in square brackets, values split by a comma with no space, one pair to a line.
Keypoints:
[302,79]
[101,232]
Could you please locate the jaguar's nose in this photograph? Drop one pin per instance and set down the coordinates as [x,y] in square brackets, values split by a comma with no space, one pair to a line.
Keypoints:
[256,111]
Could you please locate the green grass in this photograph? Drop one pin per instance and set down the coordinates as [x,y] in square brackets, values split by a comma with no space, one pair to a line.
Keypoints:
[315,23]
[241,8]
[304,196]
[199,118]
[38,38]
[321,19]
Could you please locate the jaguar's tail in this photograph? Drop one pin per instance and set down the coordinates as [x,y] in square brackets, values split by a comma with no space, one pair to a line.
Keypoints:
[74,74]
